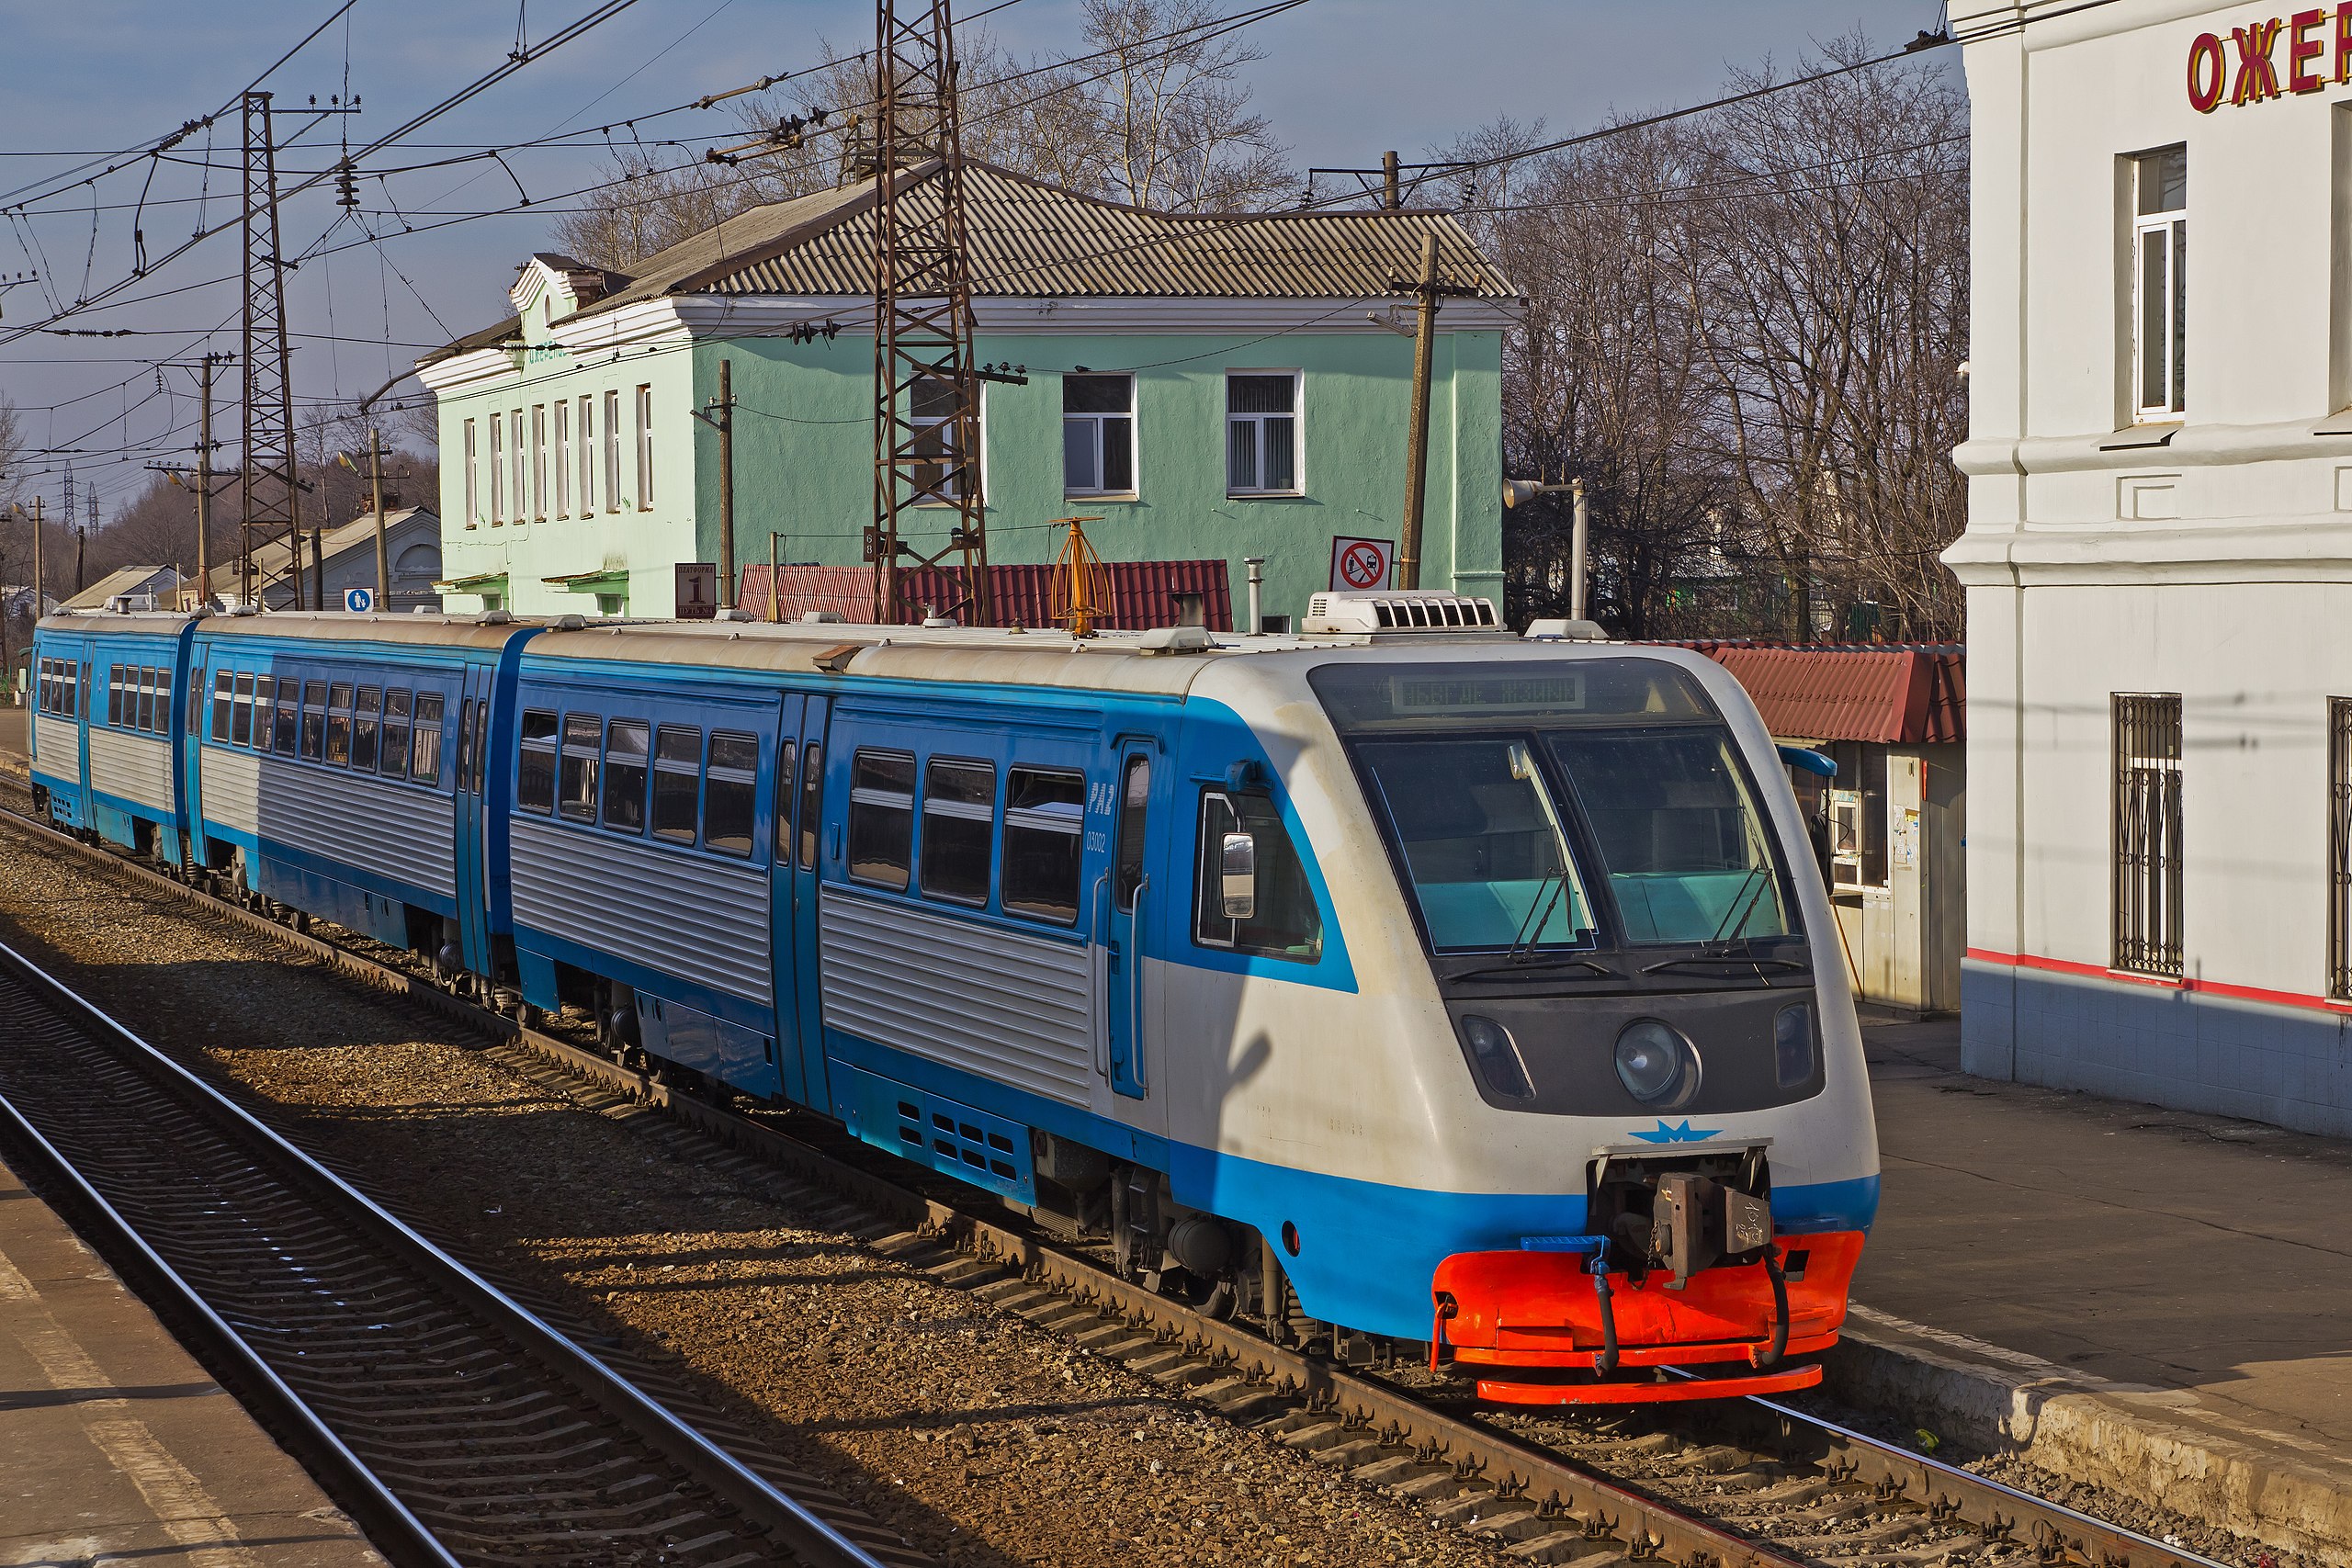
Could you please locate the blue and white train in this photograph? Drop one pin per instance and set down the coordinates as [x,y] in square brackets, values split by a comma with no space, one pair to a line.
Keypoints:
[1403,980]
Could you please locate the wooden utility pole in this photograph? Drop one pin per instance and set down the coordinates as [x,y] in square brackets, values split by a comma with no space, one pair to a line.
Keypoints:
[1392,194]
[1417,457]
[776,581]
[376,496]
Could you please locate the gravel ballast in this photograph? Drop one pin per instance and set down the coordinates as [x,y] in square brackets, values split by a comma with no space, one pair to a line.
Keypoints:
[981,1439]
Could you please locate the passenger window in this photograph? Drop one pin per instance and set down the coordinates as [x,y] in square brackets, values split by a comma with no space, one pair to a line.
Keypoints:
[223,694]
[1045,824]
[482,744]
[677,781]
[1286,924]
[786,783]
[114,694]
[367,728]
[264,706]
[812,803]
[289,716]
[627,742]
[394,762]
[426,768]
[534,766]
[147,700]
[241,731]
[731,796]
[314,719]
[339,724]
[881,817]
[1135,798]
[958,830]
[465,742]
[583,732]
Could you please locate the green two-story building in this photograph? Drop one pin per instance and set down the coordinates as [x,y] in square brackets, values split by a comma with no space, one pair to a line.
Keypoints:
[1209,387]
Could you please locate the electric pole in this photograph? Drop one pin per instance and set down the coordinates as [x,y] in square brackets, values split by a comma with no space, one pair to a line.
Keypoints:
[268,488]
[1391,196]
[375,494]
[1417,459]
[40,604]
[926,384]
[720,417]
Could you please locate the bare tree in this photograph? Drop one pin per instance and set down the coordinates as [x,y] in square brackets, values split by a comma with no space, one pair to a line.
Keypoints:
[1176,126]
[1832,270]
[12,451]
[1152,110]
[1744,334]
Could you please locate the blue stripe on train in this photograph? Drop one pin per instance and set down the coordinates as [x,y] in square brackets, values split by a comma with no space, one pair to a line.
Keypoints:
[1367,1250]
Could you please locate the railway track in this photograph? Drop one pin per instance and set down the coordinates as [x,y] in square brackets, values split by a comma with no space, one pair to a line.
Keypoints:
[455,1424]
[1729,1485]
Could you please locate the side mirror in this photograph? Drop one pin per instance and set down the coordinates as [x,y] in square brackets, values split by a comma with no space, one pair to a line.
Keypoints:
[1236,864]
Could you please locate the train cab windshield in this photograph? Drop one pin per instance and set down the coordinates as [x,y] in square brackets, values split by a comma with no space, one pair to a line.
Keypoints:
[1531,809]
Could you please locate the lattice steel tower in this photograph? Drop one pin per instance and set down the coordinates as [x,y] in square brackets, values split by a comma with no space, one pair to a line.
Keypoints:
[926,386]
[269,497]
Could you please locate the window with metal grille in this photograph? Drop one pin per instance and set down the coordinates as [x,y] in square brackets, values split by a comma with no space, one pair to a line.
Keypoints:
[2147,852]
[2339,847]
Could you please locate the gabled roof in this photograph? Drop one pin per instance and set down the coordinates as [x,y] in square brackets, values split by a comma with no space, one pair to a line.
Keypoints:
[269,555]
[124,580]
[1030,239]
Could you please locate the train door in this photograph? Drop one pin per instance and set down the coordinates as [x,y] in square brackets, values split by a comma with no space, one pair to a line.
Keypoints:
[1127,924]
[809,845]
[473,820]
[784,902]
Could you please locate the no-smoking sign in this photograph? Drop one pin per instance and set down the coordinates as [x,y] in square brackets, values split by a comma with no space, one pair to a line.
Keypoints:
[1362,563]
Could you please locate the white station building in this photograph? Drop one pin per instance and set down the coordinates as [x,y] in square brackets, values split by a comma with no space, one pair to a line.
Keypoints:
[2158,556]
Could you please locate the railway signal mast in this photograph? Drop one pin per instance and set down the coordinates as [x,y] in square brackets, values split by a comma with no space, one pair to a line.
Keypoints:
[927,380]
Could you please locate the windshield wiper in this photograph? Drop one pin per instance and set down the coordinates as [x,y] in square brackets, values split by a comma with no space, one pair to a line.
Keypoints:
[1530,969]
[1539,914]
[1751,887]
[1727,958]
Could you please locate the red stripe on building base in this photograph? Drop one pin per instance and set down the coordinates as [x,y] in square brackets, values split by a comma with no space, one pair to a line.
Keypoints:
[2185,983]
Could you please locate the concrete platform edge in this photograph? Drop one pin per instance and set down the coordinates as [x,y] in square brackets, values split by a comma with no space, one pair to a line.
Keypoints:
[2157,1446]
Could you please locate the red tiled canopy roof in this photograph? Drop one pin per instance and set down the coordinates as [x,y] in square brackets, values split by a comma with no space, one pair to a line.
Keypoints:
[1906,695]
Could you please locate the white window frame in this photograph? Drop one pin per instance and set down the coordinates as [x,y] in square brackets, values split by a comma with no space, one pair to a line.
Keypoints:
[519,464]
[1297,416]
[1095,422]
[587,454]
[539,462]
[473,478]
[563,456]
[612,449]
[497,468]
[645,447]
[2160,237]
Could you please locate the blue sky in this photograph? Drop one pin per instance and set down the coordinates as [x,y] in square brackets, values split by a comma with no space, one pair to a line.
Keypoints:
[1342,80]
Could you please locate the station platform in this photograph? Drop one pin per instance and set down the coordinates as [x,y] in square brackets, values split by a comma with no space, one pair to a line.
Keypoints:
[2152,1298]
[115,1445]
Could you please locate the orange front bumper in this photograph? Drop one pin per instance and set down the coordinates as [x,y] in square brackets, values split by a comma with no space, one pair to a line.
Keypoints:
[1535,1310]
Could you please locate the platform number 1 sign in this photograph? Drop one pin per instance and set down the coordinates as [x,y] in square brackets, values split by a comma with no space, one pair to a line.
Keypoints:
[1362,563]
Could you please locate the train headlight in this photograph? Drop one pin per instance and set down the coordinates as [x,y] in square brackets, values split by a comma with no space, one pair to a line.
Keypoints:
[1656,1065]
[1792,1048]
[1496,1055]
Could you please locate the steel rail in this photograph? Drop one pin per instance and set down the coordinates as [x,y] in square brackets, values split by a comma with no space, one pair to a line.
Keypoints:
[1515,1468]
[808,1537]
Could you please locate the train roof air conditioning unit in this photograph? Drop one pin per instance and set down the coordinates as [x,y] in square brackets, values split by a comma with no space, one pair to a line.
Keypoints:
[1387,609]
